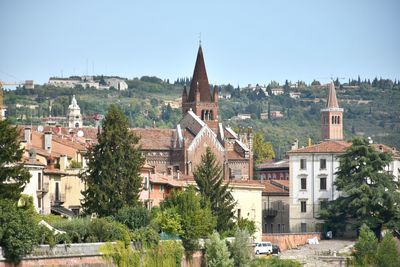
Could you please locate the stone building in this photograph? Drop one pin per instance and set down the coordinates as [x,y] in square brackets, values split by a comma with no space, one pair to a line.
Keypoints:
[178,151]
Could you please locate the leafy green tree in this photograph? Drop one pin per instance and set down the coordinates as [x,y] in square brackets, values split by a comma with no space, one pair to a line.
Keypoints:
[133,217]
[13,175]
[369,193]
[261,149]
[241,249]
[365,247]
[387,254]
[169,221]
[248,225]
[197,221]
[113,177]
[210,181]
[18,229]
[217,253]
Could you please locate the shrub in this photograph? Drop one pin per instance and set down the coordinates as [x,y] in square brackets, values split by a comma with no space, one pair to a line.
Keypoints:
[83,230]
[18,230]
[274,262]
[217,253]
[365,247]
[46,236]
[387,254]
[133,217]
[145,237]
[246,224]
[166,253]
[241,249]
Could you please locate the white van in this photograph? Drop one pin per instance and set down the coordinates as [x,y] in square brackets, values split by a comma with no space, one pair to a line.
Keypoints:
[263,247]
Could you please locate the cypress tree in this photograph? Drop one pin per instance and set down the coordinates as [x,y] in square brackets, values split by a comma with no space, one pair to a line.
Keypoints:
[209,178]
[13,175]
[113,177]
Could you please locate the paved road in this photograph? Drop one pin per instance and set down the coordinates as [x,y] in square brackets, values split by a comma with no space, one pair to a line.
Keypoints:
[308,254]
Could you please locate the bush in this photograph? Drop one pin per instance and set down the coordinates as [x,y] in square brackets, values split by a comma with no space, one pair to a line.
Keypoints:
[387,254]
[246,224]
[18,230]
[145,237]
[83,230]
[365,247]
[46,236]
[274,262]
[133,217]
[241,249]
[217,253]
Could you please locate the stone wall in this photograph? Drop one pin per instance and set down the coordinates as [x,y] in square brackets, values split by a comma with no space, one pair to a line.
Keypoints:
[290,240]
[75,255]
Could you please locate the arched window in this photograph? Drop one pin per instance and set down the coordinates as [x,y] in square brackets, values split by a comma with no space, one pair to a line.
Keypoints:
[333,119]
[211,115]
[338,119]
[202,115]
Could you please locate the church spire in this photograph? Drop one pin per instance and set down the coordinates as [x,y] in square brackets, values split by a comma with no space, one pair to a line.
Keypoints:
[332,100]
[200,80]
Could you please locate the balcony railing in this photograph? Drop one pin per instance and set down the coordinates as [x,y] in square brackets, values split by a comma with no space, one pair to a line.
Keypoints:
[269,213]
[44,189]
[57,201]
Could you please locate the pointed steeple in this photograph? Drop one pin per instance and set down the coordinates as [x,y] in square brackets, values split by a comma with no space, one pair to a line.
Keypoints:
[332,100]
[200,80]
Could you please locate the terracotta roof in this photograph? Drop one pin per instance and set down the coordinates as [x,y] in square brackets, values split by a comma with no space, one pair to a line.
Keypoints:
[324,147]
[272,188]
[158,178]
[281,182]
[29,161]
[200,80]
[332,100]
[387,149]
[274,164]
[155,139]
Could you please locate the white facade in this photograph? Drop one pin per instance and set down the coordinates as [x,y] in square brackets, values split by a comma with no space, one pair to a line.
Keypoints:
[74,115]
[37,188]
[118,84]
[315,190]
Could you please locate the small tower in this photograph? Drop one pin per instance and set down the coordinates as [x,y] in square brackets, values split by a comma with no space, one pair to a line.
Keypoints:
[332,117]
[74,114]
[200,99]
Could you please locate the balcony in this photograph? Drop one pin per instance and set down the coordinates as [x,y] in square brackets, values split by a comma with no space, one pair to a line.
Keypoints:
[269,213]
[43,189]
[57,201]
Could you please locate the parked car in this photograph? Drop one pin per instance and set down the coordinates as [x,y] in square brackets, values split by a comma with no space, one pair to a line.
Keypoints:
[263,247]
[275,250]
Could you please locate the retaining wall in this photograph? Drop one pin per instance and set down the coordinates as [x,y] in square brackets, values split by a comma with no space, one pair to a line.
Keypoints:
[290,240]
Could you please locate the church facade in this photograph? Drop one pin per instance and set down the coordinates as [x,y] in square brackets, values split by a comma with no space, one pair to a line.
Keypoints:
[178,151]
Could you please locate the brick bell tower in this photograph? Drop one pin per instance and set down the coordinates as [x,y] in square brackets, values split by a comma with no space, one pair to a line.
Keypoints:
[332,117]
[200,99]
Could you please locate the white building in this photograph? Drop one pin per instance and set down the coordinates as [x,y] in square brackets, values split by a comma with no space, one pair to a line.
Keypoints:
[277,91]
[74,115]
[117,83]
[312,169]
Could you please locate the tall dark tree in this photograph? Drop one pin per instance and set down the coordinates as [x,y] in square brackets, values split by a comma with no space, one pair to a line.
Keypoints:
[113,176]
[210,181]
[13,175]
[368,192]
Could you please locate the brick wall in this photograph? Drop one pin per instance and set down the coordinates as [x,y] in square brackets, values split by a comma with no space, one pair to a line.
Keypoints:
[290,240]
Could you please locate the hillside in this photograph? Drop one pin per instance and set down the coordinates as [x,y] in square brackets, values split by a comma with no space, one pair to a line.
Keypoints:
[371,109]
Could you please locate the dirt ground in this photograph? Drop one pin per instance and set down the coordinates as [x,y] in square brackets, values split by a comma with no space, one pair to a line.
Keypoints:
[308,254]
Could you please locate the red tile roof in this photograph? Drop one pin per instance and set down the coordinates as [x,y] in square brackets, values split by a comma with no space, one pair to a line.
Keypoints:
[155,139]
[324,147]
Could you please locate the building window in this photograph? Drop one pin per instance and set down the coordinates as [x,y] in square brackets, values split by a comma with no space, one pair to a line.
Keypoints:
[238,214]
[39,181]
[162,188]
[283,228]
[39,202]
[265,205]
[338,119]
[303,227]
[303,164]
[151,187]
[303,182]
[322,164]
[279,228]
[322,183]
[322,204]
[303,205]
[272,227]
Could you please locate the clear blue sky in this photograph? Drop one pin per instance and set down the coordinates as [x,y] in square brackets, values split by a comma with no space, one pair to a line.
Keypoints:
[243,41]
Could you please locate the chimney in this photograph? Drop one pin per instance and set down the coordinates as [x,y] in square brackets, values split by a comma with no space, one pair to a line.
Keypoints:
[32,154]
[47,141]
[295,145]
[63,162]
[28,135]
[381,148]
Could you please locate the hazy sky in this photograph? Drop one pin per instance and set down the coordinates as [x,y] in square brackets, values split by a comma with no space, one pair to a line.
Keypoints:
[243,41]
